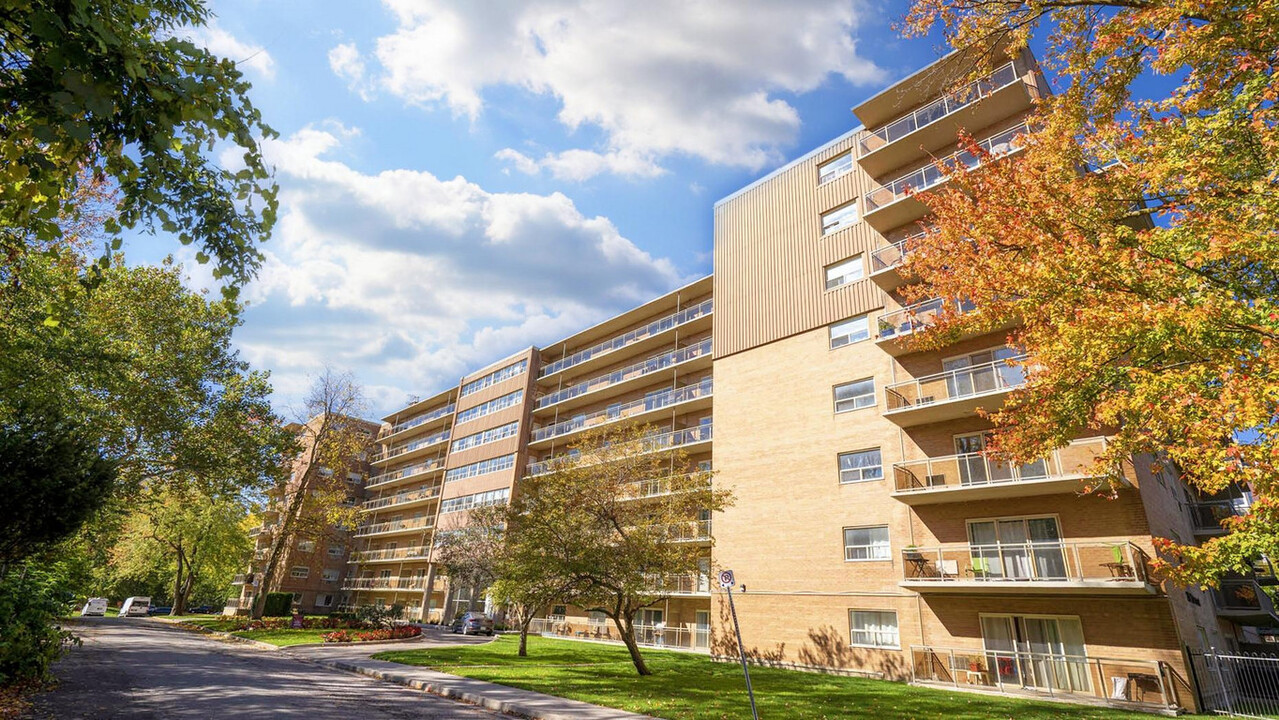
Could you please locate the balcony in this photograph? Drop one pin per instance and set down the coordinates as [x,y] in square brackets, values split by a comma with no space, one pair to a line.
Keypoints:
[976,477]
[692,439]
[673,637]
[886,262]
[406,473]
[1031,568]
[694,585]
[894,204]
[629,377]
[242,579]
[691,531]
[657,487]
[418,420]
[910,137]
[390,583]
[584,358]
[395,526]
[1207,516]
[416,552]
[1245,602]
[404,499]
[899,324]
[635,411]
[1139,684]
[264,529]
[422,444]
[952,394]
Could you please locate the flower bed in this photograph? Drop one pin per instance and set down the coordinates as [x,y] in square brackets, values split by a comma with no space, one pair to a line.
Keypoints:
[396,633]
[286,623]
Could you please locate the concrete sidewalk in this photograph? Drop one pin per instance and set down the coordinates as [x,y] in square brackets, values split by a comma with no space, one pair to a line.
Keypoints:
[501,698]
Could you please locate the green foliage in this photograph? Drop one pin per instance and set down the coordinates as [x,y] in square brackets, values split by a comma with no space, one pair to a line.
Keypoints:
[278,604]
[379,616]
[31,603]
[106,85]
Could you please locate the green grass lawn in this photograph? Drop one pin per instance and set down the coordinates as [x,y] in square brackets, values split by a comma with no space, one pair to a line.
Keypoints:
[686,686]
[281,638]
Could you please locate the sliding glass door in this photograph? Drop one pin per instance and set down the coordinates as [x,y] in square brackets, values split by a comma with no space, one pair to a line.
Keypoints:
[1042,653]
[1017,549]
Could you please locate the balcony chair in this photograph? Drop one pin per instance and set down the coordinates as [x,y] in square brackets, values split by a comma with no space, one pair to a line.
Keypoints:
[979,568]
[1119,567]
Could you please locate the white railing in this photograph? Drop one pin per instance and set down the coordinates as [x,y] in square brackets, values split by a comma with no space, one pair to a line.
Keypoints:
[397,450]
[652,443]
[401,498]
[958,384]
[621,341]
[622,411]
[423,418]
[639,369]
[691,531]
[1028,562]
[669,638]
[943,106]
[914,318]
[391,583]
[930,175]
[405,472]
[264,528]
[416,552]
[1113,680]
[656,487]
[980,470]
[394,526]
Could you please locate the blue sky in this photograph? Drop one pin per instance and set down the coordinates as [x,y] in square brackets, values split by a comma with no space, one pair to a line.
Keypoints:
[462,179]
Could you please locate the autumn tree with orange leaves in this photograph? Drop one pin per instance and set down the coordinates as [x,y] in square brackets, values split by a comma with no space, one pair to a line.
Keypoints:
[1134,241]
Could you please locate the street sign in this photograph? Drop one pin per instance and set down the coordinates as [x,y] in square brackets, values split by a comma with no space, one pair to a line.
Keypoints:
[726,579]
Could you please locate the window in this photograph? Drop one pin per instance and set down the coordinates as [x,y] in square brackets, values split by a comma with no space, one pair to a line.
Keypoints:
[306,546]
[466,502]
[331,575]
[844,272]
[336,550]
[849,331]
[494,377]
[486,436]
[860,466]
[834,167]
[855,395]
[300,572]
[490,407]
[324,600]
[480,468]
[866,543]
[873,628]
[839,218]
[354,477]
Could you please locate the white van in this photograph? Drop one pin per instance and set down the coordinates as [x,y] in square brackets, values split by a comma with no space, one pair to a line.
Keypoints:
[135,606]
[95,606]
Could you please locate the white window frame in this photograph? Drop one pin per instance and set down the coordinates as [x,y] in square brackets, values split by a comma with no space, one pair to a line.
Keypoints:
[304,574]
[857,261]
[329,597]
[824,177]
[336,551]
[852,613]
[840,218]
[849,338]
[306,546]
[861,472]
[873,547]
[873,396]
[337,575]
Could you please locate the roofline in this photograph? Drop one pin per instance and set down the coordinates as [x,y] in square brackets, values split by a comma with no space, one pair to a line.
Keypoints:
[789,165]
[918,72]
[610,318]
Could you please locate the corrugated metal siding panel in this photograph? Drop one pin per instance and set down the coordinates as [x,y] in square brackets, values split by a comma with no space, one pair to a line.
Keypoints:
[770,257]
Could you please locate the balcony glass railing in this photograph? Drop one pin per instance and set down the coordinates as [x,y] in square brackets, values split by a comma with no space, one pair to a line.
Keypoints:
[405,553]
[691,531]
[644,367]
[621,341]
[391,583]
[622,411]
[394,526]
[406,472]
[671,637]
[397,450]
[1029,562]
[958,384]
[1001,78]
[895,254]
[914,318]
[402,498]
[1245,595]
[1207,516]
[652,443]
[425,417]
[930,175]
[979,470]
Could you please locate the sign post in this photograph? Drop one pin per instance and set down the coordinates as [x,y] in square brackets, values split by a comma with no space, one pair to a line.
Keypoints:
[726,581]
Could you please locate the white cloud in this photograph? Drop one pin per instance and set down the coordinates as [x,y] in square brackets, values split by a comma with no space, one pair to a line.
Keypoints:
[346,62]
[245,55]
[579,165]
[658,78]
[413,280]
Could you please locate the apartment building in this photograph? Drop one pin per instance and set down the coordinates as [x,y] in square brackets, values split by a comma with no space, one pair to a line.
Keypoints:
[314,566]
[870,531]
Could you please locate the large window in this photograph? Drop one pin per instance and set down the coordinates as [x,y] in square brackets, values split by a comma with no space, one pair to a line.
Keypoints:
[844,272]
[839,218]
[492,406]
[860,466]
[300,572]
[480,468]
[466,502]
[855,395]
[487,436]
[849,331]
[494,377]
[873,628]
[834,167]
[866,543]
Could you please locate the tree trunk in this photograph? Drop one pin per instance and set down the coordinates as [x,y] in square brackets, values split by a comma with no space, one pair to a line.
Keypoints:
[525,622]
[177,583]
[627,631]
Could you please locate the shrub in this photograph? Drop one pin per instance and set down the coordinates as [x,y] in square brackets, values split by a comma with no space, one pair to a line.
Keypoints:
[337,636]
[30,637]
[395,633]
[376,616]
[277,604]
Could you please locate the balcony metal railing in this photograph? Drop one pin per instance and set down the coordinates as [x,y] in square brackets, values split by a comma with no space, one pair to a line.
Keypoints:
[401,498]
[1112,680]
[624,410]
[394,526]
[391,583]
[654,487]
[670,638]
[895,254]
[1207,516]
[1001,77]
[979,470]
[415,552]
[242,579]
[691,531]
[644,367]
[652,443]
[697,584]
[398,450]
[1029,562]
[913,318]
[930,175]
[621,341]
[958,384]
[261,529]
[423,418]
[406,472]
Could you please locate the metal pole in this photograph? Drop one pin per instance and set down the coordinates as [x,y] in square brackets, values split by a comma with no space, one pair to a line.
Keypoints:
[741,652]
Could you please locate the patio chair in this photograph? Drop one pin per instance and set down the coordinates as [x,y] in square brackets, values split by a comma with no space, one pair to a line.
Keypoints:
[979,567]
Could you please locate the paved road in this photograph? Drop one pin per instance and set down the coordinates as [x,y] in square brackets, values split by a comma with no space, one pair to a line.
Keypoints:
[145,670]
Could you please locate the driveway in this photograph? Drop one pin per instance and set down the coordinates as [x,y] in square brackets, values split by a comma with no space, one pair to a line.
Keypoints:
[146,670]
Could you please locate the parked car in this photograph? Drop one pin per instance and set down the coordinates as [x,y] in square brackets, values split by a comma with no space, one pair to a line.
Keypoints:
[94,606]
[203,610]
[473,623]
[135,606]
[159,610]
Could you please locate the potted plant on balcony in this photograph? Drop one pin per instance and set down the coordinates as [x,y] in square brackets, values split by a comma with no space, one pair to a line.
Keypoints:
[911,552]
